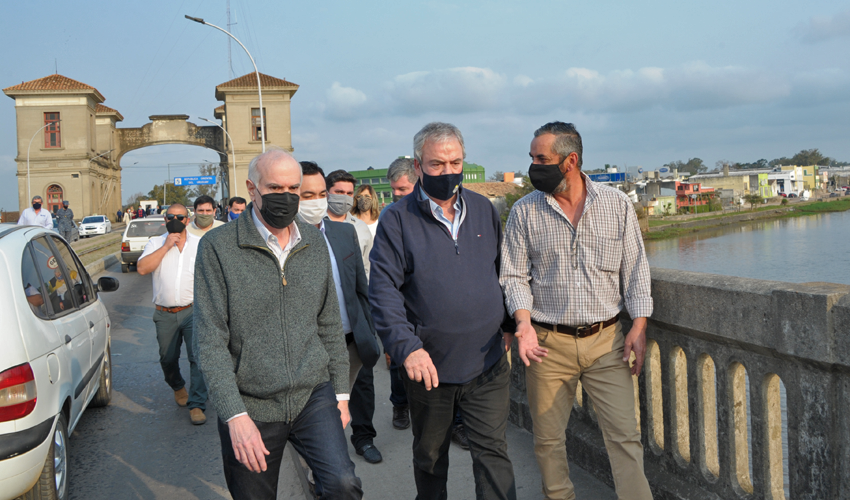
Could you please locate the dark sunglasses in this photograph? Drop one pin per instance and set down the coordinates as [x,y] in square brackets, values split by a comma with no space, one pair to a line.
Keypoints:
[179,217]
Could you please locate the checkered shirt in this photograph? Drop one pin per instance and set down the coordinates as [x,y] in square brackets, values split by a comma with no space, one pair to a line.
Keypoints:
[575,276]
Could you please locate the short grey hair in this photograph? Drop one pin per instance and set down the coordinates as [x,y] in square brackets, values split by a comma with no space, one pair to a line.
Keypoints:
[402,167]
[272,155]
[567,138]
[436,132]
[36,197]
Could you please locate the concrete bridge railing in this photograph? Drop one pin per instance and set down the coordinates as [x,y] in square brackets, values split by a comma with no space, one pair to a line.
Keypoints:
[724,355]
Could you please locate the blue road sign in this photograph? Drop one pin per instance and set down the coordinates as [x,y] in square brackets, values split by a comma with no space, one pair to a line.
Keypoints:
[194,181]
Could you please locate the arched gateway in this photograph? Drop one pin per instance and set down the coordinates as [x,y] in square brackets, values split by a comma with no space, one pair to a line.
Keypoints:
[75,146]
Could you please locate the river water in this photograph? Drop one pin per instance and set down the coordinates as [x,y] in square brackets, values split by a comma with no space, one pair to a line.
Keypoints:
[798,250]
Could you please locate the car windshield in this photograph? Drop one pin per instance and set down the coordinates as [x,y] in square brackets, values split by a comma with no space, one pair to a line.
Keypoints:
[146,228]
[93,220]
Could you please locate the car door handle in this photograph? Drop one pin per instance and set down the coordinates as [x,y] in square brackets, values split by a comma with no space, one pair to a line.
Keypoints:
[67,339]
[91,325]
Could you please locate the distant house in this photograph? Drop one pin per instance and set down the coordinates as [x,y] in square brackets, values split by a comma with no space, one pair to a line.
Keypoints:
[494,191]
[692,194]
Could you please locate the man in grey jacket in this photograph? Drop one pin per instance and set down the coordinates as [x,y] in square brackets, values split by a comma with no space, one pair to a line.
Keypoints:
[270,340]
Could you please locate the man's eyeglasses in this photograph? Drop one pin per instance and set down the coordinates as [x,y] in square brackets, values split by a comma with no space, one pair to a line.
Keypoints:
[179,217]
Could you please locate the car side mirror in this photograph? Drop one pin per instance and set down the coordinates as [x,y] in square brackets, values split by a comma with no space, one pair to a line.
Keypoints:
[107,284]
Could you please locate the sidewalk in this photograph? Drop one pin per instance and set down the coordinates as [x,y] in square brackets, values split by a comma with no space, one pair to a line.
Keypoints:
[392,479]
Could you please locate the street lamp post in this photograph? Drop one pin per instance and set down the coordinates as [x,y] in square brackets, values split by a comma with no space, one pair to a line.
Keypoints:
[256,71]
[232,153]
[29,195]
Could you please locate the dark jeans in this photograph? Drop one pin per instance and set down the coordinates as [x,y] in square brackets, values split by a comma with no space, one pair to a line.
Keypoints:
[316,433]
[362,408]
[398,396]
[172,329]
[484,406]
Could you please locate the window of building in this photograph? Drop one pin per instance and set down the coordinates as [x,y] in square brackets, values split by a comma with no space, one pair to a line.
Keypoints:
[54,198]
[52,134]
[257,123]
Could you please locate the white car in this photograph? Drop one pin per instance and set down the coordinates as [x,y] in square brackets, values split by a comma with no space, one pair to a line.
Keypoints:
[136,236]
[55,360]
[95,224]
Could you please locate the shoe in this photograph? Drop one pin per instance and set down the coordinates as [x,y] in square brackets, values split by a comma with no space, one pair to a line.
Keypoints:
[181,397]
[459,436]
[401,417]
[370,453]
[196,415]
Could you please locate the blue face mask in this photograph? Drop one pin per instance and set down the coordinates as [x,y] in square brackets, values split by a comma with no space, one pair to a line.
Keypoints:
[233,216]
[441,187]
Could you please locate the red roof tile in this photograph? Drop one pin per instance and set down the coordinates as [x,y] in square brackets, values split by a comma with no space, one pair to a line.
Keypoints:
[250,81]
[52,83]
[106,110]
[491,189]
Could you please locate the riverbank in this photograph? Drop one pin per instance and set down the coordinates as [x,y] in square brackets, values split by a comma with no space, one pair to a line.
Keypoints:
[660,230]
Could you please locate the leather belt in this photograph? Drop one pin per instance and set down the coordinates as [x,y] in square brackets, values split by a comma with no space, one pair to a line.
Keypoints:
[579,331]
[349,338]
[172,310]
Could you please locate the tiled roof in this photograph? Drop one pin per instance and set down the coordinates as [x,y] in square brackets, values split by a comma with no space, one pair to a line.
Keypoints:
[52,83]
[106,110]
[250,81]
[492,189]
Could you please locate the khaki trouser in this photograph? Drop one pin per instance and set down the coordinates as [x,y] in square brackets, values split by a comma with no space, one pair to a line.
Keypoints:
[597,361]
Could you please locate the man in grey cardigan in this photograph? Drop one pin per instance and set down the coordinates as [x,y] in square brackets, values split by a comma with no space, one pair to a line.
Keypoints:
[270,340]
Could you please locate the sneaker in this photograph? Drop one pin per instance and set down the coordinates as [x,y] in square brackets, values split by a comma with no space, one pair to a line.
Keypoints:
[196,415]
[181,397]
[401,417]
[459,436]
[370,453]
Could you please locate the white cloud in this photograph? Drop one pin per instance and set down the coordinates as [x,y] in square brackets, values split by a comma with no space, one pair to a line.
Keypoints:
[344,103]
[819,29]
[454,90]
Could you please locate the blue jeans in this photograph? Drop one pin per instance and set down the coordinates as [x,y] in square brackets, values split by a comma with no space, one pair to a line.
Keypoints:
[172,329]
[317,435]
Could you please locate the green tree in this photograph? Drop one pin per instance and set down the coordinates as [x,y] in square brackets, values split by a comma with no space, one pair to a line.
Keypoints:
[175,194]
[133,200]
[692,166]
[753,200]
[810,157]
[497,176]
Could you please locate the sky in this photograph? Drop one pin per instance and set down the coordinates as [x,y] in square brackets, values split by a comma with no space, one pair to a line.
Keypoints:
[645,83]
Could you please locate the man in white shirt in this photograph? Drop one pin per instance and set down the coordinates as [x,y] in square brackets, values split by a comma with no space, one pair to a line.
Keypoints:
[171,259]
[340,185]
[36,216]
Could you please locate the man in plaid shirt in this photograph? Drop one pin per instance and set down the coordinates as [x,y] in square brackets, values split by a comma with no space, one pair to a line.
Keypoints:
[572,259]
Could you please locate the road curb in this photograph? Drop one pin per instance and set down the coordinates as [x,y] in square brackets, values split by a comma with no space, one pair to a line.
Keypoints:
[101,264]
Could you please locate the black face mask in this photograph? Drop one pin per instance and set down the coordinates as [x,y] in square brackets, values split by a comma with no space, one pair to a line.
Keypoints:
[279,209]
[441,187]
[397,197]
[545,178]
[175,226]
[36,206]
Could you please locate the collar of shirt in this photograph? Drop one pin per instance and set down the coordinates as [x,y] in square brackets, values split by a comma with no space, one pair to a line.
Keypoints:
[271,240]
[437,211]
[588,202]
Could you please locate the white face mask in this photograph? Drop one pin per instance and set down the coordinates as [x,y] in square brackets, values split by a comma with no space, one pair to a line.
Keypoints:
[313,211]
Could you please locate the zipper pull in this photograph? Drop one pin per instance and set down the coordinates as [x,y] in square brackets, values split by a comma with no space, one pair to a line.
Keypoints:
[456,248]
[283,277]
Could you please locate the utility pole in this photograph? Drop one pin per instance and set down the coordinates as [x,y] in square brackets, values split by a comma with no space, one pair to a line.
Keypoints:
[229,58]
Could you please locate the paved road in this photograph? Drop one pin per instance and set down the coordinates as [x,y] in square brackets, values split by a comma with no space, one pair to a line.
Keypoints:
[143,446]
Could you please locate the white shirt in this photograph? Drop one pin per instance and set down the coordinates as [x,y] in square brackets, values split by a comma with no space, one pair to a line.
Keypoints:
[273,243]
[364,237]
[194,229]
[437,211]
[346,324]
[373,228]
[174,279]
[30,218]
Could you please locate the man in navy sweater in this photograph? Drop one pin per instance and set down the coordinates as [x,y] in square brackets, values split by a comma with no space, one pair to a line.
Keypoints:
[438,308]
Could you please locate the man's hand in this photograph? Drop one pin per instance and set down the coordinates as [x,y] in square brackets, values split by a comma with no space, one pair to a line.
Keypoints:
[636,342]
[529,349]
[343,413]
[248,444]
[420,368]
[509,340]
[171,240]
